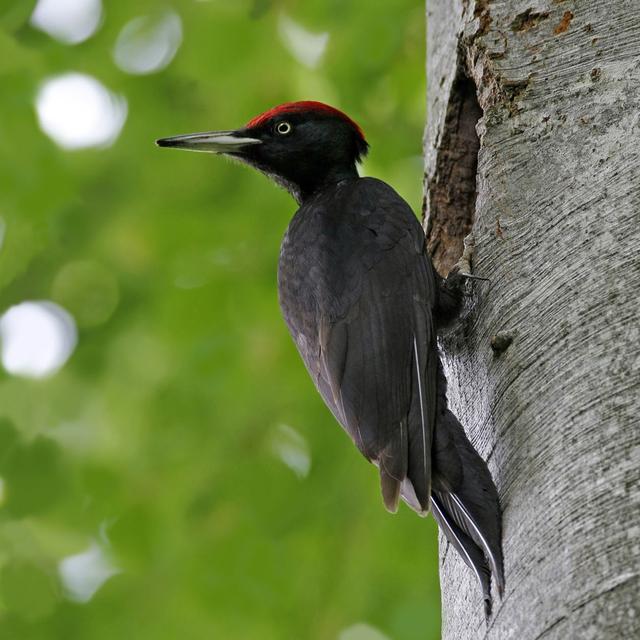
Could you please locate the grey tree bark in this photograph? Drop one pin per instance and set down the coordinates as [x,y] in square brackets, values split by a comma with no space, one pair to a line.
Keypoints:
[533,142]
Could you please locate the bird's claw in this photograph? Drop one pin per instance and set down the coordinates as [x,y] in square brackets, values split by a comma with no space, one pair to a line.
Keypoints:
[462,268]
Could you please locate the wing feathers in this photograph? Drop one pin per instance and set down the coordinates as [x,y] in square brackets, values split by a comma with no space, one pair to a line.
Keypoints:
[426,441]
[393,468]
[390,488]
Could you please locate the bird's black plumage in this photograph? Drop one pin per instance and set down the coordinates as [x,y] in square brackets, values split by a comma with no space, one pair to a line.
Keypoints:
[356,291]
[362,302]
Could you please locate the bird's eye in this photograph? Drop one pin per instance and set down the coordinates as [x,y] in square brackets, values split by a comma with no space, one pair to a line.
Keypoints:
[283,128]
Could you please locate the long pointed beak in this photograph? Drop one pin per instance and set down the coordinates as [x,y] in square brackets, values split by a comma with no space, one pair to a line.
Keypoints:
[210,141]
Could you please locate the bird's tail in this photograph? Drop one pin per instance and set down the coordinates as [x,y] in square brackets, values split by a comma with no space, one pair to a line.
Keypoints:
[465,501]
[465,546]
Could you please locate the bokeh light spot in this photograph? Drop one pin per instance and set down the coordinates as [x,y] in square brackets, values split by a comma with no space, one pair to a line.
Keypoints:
[76,111]
[84,573]
[70,21]
[88,290]
[292,449]
[37,338]
[306,47]
[146,44]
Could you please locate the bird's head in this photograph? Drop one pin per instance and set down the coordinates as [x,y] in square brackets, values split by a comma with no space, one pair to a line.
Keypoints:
[301,145]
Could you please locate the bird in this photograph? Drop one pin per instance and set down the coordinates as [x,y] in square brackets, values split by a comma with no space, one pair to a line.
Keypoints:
[364,304]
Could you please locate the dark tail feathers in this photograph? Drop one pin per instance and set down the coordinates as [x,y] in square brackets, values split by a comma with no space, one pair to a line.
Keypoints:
[465,503]
[468,550]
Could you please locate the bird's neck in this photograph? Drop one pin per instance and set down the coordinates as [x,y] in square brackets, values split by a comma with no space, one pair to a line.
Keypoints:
[318,182]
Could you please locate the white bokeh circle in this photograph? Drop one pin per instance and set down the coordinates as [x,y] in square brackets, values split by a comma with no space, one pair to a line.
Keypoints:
[76,111]
[37,338]
[147,44]
[69,21]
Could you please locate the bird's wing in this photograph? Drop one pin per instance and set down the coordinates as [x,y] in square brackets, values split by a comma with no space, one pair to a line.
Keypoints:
[372,354]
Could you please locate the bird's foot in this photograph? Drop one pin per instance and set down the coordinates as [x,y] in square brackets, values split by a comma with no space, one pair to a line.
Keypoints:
[452,290]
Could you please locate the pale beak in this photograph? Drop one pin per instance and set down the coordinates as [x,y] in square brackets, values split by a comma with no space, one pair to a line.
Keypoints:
[210,142]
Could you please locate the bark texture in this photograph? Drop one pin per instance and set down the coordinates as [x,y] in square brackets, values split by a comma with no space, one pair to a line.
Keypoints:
[552,402]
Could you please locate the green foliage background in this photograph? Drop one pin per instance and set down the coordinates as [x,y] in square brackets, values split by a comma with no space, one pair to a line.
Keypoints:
[156,440]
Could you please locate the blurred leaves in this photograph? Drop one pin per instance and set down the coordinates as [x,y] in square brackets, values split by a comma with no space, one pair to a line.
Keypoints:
[27,590]
[15,13]
[34,477]
[157,438]
[87,290]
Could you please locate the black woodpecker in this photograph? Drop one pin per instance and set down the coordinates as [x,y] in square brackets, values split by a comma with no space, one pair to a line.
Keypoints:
[363,304]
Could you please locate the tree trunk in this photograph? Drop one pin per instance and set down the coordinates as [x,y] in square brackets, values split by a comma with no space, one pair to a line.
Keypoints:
[533,142]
